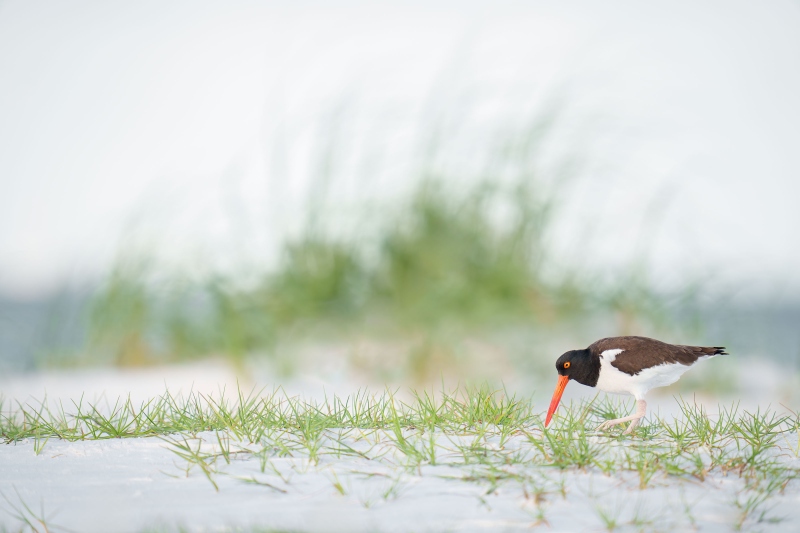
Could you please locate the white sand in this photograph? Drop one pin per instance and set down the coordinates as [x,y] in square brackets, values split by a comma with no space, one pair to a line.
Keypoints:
[132,484]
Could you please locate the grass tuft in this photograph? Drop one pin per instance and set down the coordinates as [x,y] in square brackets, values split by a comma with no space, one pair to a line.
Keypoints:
[484,436]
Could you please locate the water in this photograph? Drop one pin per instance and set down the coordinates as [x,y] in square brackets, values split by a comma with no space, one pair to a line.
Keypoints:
[35,332]
[53,329]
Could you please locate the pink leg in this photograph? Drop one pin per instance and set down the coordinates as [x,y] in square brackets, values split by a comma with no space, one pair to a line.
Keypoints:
[634,419]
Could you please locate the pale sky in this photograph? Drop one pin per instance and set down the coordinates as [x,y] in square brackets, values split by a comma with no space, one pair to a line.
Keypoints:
[197,124]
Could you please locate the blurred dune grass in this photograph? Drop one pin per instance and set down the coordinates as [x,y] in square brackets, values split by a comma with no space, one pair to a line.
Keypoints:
[459,258]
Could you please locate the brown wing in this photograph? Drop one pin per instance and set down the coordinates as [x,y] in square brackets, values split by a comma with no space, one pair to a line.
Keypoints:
[640,353]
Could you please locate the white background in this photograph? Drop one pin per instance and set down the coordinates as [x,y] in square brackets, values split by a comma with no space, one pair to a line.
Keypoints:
[195,123]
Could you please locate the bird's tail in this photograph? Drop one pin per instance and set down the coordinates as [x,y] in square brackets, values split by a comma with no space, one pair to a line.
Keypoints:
[703,351]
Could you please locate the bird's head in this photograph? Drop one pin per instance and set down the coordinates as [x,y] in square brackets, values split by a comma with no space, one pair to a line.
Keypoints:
[566,364]
[574,364]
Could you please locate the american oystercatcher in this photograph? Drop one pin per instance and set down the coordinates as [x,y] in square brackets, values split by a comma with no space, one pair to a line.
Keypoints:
[627,365]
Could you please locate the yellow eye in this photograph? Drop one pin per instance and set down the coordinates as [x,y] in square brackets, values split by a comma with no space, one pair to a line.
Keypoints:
[566,365]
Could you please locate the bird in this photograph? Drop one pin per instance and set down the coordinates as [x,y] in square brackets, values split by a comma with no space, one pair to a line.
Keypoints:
[627,365]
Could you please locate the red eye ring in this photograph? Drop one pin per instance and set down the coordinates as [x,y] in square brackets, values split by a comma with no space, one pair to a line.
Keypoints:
[566,365]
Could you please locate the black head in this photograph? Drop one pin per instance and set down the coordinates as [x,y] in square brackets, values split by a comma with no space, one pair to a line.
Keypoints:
[580,366]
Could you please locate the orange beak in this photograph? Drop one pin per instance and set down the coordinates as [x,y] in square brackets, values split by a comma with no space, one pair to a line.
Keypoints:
[560,386]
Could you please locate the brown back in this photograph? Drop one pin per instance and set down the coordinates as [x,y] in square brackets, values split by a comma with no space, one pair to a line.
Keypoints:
[642,352]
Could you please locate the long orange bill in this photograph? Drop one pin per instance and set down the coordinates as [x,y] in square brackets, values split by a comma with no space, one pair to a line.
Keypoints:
[560,386]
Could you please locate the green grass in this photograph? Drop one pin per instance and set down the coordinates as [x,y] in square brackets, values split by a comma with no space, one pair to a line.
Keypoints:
[29,518]
[468,250]
[441,265]
[486,437]
[732,441]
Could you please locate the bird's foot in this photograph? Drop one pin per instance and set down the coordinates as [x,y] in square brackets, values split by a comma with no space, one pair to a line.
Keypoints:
[634,422]
[633,425]
[641,408]
[611,423]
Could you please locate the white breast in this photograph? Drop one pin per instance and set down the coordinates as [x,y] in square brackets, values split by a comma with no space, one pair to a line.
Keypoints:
[613,380]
